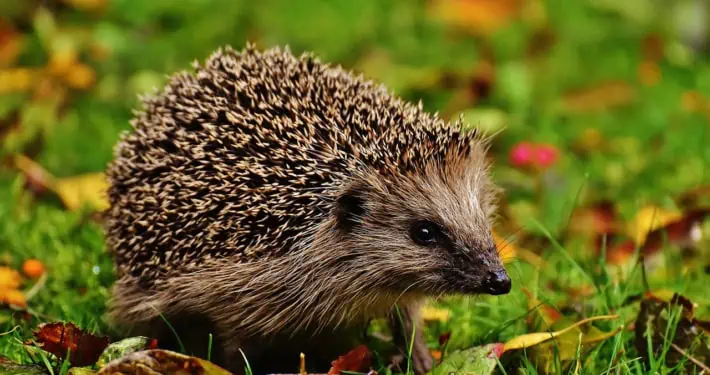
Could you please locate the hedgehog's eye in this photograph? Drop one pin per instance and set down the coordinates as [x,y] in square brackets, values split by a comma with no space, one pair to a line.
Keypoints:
[424,233]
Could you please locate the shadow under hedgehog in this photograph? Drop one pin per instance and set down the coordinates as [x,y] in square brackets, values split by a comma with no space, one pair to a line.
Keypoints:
[282,203]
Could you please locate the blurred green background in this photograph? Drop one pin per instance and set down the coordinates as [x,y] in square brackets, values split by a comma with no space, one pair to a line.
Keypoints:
[617,91]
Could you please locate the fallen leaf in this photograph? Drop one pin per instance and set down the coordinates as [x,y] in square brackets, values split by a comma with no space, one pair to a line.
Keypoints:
[480,17]
[357,359]
[124,347]
[531,339]
[564,347]
[80,76]
[81,371]
[62,60]
[9,278]
[431,313]
[156,361]
[545,315]
[74,192]
[599,98]
[648,219]
[652,326]
[16,80]
[10,368]
[38,179]
[681,232]
[509,252]
[599,218]
[58,338]
[88,188]
[13,297]
[479,360]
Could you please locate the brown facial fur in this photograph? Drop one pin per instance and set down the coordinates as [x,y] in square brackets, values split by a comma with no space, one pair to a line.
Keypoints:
[224,202]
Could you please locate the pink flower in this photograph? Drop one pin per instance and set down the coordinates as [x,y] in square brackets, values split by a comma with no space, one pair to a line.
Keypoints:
[545,155]
[522,154]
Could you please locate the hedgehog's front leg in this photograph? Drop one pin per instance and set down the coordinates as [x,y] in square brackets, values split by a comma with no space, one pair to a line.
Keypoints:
[402,322]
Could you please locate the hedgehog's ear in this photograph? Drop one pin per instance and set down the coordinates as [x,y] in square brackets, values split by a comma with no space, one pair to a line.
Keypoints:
[349,209]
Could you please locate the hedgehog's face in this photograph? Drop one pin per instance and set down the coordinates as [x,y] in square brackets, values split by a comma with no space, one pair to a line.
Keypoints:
[427,232]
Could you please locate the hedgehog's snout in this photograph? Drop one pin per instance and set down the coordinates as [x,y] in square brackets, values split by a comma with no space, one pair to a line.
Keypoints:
[497,282]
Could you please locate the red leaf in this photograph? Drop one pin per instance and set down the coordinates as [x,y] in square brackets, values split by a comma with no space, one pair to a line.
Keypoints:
[58,338]
[497,350]
[357,359]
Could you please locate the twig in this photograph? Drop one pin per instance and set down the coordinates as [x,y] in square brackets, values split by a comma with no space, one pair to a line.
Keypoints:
[690,358]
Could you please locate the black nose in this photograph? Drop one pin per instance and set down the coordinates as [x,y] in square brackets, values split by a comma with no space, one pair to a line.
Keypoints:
[497,283]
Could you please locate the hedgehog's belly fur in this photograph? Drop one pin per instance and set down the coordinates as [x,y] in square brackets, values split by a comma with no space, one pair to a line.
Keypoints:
[271,328]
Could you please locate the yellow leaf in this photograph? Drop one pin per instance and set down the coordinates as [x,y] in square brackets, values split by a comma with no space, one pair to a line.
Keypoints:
[16,80]
[532,339]
[508,252]
[432,313]
[80,76]
[88,188]
[506,249]
[9,282]
[13,297]
[648,219]
[9,278]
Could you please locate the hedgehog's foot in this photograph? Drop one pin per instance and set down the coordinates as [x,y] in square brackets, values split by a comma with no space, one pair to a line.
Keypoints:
[402,325]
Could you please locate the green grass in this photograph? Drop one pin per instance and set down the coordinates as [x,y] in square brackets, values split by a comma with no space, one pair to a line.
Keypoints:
[651,149]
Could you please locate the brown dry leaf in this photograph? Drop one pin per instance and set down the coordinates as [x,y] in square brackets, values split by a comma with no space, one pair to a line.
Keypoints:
[479,17]
[59,338]
[357,359]
[87,188]
[599,98]
[653,319]
[157,361]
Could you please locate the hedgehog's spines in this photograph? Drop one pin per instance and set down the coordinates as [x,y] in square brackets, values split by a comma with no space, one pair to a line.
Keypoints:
[267,122]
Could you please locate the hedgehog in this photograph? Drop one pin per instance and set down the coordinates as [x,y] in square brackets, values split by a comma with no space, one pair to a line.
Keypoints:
[280,203]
